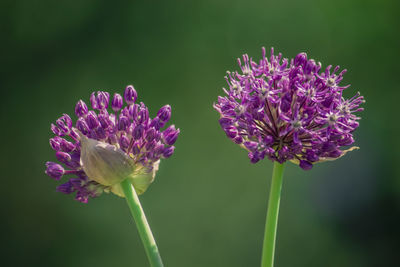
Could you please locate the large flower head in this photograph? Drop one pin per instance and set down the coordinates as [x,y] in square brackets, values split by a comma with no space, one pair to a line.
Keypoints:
[288,110]
[109,144]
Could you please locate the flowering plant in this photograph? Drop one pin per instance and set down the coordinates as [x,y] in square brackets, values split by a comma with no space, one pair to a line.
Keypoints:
[287,111]
[113,152]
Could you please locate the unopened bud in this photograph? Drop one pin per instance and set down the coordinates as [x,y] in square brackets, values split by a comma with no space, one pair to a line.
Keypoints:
[105,163]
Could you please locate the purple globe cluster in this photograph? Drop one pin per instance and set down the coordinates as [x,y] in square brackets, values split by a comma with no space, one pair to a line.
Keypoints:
[288,110]
[129,130]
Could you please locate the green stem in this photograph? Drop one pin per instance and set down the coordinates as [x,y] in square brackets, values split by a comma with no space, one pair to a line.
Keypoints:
[272,216]
[143,227]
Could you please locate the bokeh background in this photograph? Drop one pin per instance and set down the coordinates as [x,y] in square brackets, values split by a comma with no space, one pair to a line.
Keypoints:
[207,206]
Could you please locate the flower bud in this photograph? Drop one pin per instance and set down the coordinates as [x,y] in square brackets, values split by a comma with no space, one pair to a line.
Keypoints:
[250,145]
[268,140]
[164,113]
[63,157]
[81,109]
[66,159]
[150,134]
[55,143]
[130,95]
[92,120]
[159,149]
[55,130]
[66,146]
[300,59]
[150,145]
[124,142]
[66,188]
[104,120]
[170,135]
[143,115]
[117,102]
[133,110]
[253,157]
[103,98]
[346,141]
[285,103]
[311,156]
[309,66]
[93,100]
[305,165]
[138,132]
[238,139]
[135,149]
[156,123]
[82,126]
[64,124]
[123,123]
[168,151]
[335,153]
[100,133]
[67,120]
[328,147]
[54,170]
[125,112]
[225,122]
[231,132]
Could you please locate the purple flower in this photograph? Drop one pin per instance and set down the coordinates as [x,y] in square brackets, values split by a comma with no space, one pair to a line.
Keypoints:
[102,149]
[288,110]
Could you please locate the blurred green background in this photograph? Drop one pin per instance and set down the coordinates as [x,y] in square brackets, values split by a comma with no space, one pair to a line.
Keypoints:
[207,206]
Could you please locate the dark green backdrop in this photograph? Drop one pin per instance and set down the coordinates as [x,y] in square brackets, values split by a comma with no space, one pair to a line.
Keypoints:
[207,206]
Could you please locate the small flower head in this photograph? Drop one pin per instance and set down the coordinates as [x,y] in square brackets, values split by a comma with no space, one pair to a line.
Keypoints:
[288,110]
[104,148]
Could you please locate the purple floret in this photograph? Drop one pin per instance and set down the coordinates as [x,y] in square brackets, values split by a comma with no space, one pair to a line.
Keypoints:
[288,110]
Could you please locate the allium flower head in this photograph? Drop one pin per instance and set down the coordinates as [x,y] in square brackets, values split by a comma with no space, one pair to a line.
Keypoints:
[288,110]
[103,148]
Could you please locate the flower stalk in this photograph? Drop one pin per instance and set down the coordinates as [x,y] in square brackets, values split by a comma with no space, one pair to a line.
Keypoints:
[272,216]
[143,226]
